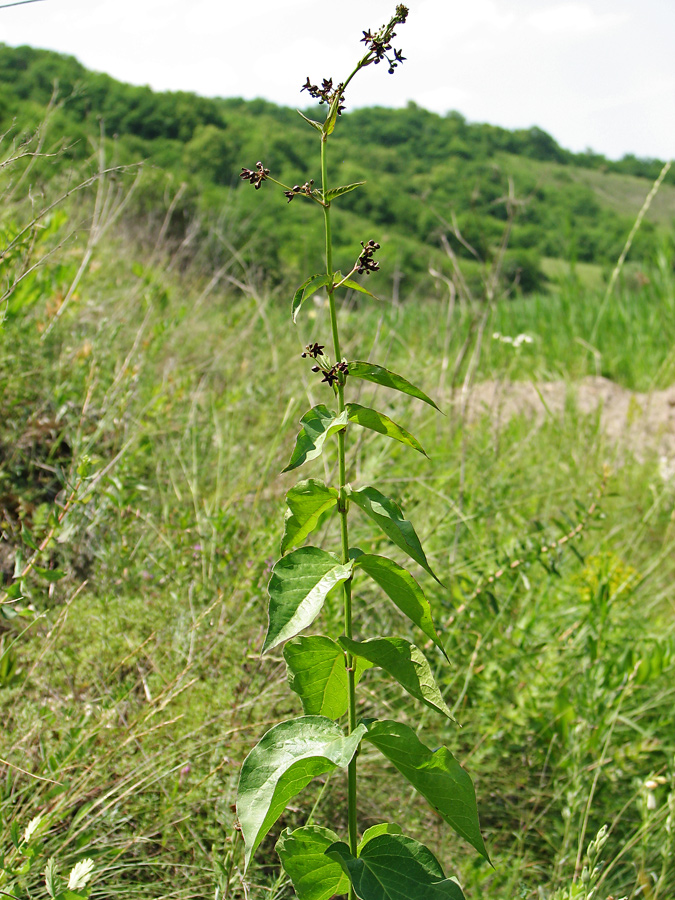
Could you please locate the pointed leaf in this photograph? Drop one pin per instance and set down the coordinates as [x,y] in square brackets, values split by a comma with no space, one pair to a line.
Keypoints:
[306,289]
[303,856]
[436,775]
[395,867]
[317,125]
[27,537]
[377,421]
[298,588]
[339,191]
[399,585]
[379,375]
[50,575]
[333,112]
[317,672]
[317,425]
[50,877]
[406,663]
[375,831]
[307,502]
[338,279]
[281,764]
[355,286]
[387,514]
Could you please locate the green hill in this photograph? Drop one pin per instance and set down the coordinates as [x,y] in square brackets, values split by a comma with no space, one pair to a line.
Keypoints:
[424,170]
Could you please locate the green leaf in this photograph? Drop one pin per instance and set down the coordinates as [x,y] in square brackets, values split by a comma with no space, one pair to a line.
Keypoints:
[314,124]
[339,191]
[355,286]
[306,289]
[436,775]
[377,421]
[318,424]
[331,119]
[50,877]
[388,516]
[307,502]
[13,591]
[338,279]
[317,672]
[281,764]
[303,856]
[375,831]
[27,537]
[406,663]
[298,588]
[379,375]
[399,585]
[395,867]
[50,575]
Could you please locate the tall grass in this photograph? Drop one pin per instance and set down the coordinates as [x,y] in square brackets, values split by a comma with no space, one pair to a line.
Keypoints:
[127,687]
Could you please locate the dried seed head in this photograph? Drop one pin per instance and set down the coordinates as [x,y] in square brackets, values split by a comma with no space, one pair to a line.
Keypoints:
[256,177]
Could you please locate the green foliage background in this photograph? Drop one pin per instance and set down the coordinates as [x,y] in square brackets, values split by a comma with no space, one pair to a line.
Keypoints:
[421,169]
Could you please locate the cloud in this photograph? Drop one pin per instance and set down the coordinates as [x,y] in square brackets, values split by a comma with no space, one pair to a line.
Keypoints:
[574,19]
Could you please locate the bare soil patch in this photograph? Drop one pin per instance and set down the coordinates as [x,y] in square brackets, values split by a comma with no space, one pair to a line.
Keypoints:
[637,422]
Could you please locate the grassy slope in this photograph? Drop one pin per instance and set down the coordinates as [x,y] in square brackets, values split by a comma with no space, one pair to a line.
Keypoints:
[623,194]
[139,688]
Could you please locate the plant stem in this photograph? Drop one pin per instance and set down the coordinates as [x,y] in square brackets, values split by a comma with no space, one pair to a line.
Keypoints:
[344,530]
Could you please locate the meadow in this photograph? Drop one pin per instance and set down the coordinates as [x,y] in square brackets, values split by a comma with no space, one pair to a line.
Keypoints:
[149,400]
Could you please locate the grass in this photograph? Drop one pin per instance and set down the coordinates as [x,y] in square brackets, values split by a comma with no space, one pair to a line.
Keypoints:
[132,688]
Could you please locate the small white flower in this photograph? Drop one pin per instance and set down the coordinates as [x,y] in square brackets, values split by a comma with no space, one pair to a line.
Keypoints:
[80,874]
[514,342]
[31,828]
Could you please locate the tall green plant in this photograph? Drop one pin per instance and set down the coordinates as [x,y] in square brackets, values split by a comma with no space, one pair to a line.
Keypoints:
[325,672]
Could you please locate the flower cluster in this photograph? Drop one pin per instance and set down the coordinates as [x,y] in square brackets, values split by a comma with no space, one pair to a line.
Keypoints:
[256,177]
[514,341]
[313,350]
[335,373]
[365,262]
[332,374]
[379,42]
[326,93]
[305,188]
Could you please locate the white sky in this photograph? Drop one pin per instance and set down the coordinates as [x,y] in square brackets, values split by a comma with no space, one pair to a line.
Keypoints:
[593,73]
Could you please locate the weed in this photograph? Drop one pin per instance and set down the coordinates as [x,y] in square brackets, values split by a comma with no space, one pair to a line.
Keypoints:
[325,672]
